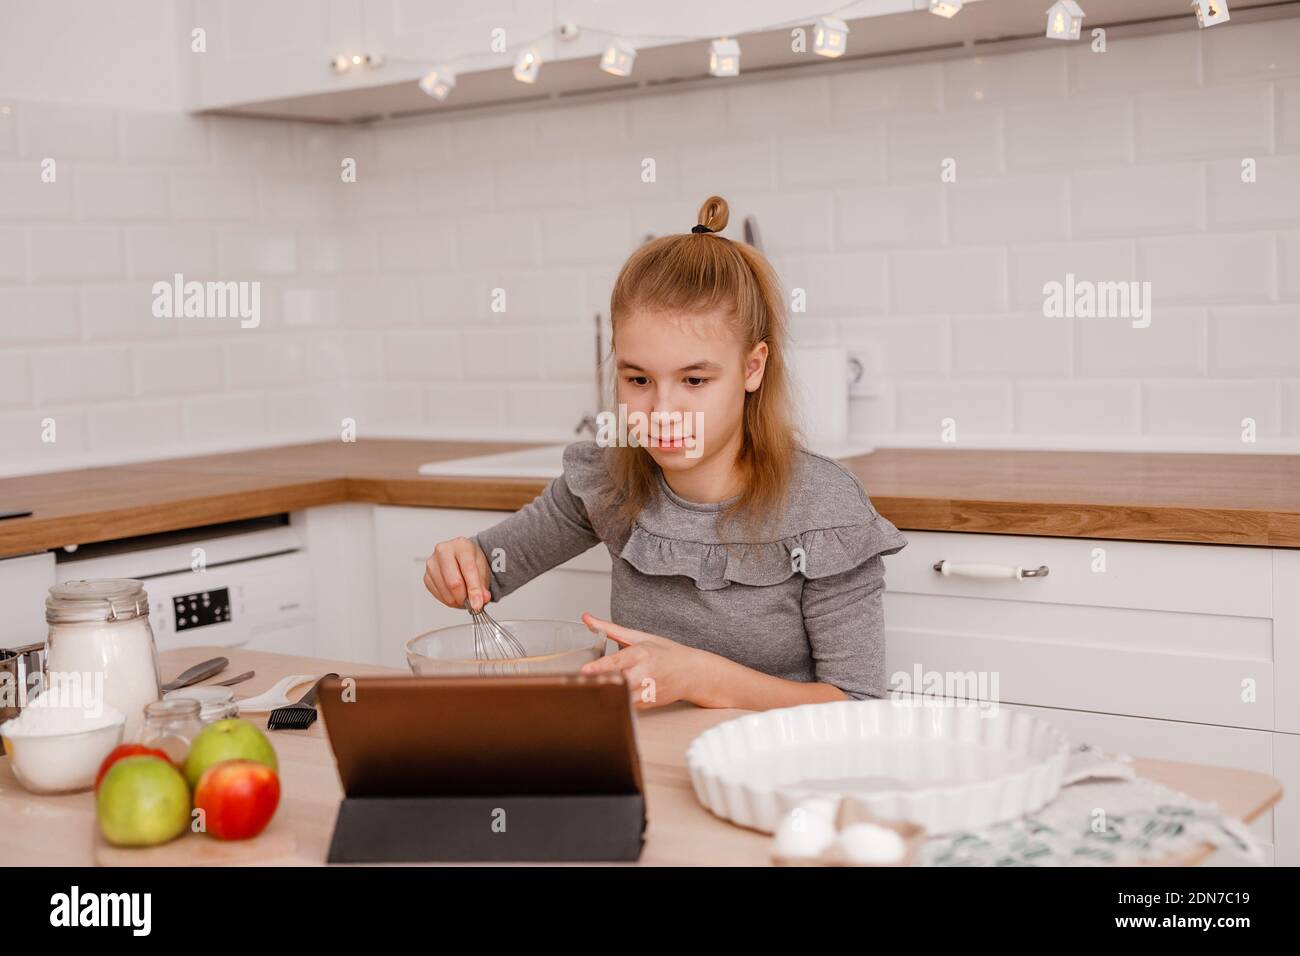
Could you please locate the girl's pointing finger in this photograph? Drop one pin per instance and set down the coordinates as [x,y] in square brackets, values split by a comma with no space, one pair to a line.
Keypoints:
[623,636]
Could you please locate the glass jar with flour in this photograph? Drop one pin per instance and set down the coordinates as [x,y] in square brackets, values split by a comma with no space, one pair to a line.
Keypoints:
[101,648]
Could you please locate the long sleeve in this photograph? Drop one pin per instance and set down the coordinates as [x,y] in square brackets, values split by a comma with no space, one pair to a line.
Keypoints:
[844,619]
[549,530]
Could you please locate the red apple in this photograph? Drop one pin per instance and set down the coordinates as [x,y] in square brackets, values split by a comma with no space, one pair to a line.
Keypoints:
[238,798]
[127,750]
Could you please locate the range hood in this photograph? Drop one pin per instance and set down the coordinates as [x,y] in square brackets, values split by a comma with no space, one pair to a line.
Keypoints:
[894,29]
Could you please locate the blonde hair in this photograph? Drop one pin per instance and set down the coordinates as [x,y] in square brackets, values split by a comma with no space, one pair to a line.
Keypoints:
[704,272]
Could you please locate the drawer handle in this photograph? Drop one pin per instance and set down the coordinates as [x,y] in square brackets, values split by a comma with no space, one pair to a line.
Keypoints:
[995,571]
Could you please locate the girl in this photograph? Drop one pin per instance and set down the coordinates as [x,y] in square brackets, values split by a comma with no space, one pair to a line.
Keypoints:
[747,570]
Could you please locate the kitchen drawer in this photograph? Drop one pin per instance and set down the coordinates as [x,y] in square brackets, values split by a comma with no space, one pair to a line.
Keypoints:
[1206,579]
[1190,743]
[1187,667]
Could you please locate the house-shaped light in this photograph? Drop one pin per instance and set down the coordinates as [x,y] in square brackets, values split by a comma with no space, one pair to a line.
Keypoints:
[830,37]
[1064,20]
[438,82]
[618,59]
[528,65]
[1210,12]
[724,58]
[945,8]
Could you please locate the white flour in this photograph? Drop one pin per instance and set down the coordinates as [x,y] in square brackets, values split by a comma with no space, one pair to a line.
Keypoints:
[123,651]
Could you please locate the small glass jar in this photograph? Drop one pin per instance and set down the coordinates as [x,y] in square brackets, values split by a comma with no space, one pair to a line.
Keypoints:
[218,710]
[171,726]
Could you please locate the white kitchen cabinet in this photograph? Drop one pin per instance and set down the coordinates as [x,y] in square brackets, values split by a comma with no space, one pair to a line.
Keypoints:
[25,581]
[1286,816]
[1286,639]
[1171,651]
[404,539]
[339,541]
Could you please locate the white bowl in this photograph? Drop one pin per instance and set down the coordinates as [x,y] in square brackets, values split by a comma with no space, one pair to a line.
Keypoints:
[61,763]
[942,764]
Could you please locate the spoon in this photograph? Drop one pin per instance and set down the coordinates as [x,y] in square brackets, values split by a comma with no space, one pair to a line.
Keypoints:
[235,680]
[200,671]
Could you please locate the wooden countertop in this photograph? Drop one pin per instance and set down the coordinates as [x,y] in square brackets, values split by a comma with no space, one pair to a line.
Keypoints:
[59,830]
[1222,499]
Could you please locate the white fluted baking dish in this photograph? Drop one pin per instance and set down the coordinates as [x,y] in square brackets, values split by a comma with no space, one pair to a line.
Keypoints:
[942,764]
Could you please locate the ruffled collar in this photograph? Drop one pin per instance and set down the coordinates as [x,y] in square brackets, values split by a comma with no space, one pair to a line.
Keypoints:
[829,527]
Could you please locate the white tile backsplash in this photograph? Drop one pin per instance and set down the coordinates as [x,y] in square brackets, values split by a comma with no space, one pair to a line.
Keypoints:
[1272,199]
[66,133]
[114,193]
[1209,269]
[157,252]
[1169,61]
[58,253]
[1206,122]
[24,195]
[1011,346]
[15,378]
[950,280]
[1211,409]
[1078,408]
[81,374]
[1010,209]
[1138,200]
[13,254]
[377,294]
[1252,341]
[40,314]
[883,216]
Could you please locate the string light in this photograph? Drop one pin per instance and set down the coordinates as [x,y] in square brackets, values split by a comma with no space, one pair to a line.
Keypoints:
[830,37]
[528,66]
[439,82]
[619,57]
[724,57]
[1064,20]
[344,62]
[1210,12]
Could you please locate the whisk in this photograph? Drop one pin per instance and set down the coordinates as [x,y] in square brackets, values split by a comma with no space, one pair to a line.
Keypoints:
[492,642]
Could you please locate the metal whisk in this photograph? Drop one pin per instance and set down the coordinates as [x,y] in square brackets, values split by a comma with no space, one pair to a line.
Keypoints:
[492,642]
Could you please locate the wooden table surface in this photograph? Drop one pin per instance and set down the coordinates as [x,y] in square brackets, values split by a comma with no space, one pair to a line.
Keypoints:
[59,830]
[1222,499]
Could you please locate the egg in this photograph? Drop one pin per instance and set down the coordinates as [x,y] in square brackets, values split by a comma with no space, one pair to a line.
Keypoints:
[868,843]
[806,830]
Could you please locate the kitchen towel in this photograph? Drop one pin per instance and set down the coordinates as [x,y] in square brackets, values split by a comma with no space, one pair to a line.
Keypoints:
[1105,815]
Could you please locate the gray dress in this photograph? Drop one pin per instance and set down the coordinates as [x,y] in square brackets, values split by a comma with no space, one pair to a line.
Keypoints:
[804,605]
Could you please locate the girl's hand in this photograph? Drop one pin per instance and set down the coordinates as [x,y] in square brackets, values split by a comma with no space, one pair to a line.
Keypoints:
[458,569]
[658,671]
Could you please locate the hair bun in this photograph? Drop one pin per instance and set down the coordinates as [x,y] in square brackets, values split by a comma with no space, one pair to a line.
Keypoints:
[714,214]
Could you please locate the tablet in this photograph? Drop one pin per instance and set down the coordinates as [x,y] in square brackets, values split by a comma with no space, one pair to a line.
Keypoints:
[482,736]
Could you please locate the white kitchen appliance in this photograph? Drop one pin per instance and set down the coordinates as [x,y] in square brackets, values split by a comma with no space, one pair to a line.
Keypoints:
[819,380]
[242,584]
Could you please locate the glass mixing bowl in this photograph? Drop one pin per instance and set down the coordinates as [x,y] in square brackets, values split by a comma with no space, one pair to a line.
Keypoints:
[553,647]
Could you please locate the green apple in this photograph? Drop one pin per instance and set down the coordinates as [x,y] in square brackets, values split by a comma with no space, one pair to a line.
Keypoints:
[230,739]
[142,801]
